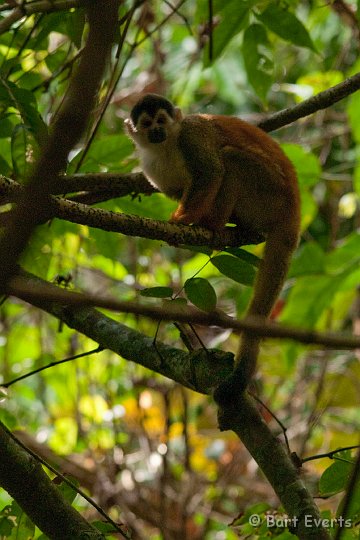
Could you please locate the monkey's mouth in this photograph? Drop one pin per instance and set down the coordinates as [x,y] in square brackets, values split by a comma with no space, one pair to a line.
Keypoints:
[157,135]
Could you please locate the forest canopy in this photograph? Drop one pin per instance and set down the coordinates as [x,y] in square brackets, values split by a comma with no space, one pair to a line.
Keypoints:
[116,326]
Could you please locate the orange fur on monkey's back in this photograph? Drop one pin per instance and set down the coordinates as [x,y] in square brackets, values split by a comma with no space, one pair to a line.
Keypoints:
[250,139]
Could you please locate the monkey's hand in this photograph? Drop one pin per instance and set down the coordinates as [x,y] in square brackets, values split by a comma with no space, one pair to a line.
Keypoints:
[186,215]
[212,221]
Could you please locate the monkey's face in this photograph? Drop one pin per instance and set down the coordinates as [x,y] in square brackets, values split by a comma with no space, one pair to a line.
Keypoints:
[152,120]
[150,129]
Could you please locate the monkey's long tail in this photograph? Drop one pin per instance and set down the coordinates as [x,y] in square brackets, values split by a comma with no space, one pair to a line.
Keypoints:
[280,244]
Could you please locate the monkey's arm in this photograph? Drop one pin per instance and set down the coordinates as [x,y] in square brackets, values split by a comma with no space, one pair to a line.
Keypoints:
[196,142]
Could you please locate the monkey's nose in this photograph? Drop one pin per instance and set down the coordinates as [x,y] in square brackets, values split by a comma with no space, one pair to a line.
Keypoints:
[157,135]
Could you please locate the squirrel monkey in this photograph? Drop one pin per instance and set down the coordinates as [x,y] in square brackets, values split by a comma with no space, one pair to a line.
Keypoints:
[223,170]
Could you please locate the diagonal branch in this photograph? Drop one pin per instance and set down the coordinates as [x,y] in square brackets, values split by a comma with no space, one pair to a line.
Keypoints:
[134,225]
[42,6]
[71,121]
[271,455]
[322,100]
[201,371]
[34,290]
[24,479]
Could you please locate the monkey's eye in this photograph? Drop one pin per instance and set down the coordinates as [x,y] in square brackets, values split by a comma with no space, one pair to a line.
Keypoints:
[161,120]
[146,123]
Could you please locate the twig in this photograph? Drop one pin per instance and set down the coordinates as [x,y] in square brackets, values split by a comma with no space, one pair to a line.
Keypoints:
[66,480]
[26,9]
[331,454]
[112,85]
[277,420]
[52,364]
[322,100]
[121,184]
[31,289]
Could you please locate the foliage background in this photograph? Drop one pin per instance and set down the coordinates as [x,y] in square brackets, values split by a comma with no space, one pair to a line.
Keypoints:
[142,445]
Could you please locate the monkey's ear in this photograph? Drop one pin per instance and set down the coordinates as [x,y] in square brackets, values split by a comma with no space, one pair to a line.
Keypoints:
[129,126]
[178,114]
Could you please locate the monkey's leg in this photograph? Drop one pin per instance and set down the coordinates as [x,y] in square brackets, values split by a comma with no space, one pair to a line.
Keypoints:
[250,194]
[197,201]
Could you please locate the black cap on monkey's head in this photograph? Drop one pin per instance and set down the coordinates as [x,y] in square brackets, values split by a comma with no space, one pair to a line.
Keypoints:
[151,103]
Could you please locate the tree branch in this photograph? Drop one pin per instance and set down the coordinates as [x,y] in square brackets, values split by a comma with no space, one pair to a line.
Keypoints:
[134,225]
[270,454]
[20,474]
[24,479]
[71,121]
[110,185]
[201,370]
[35,291]
[322,100]
[42,6]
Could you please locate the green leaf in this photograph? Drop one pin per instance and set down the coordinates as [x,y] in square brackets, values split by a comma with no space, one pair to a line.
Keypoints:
[37,257]
[5,155]
[67,491]
[105,244]
[236,269]
[6,127]
[157,206]
[309,259]
[306,163]
[244,255]
[50,23]
[5,168]
[335,478]
[24,101]
[233,16]
[157,292]
[258,59]
[70,24]
[198,249]
[286,25]
[6,524]
[353,112]
[356,181]
[201,293]
[24,151]
[108,151]
[75,26]
[309,209]
[7,417]
[103,527]
[310,297]
[345,256]
[318,81]
[56,59]
[24,527]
